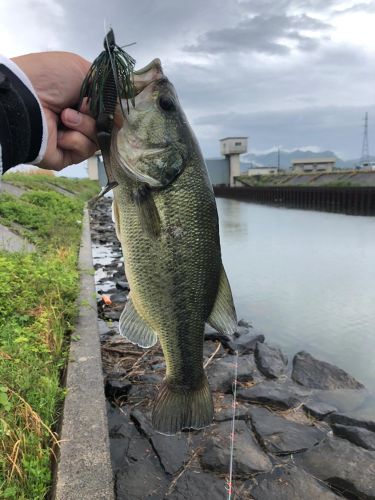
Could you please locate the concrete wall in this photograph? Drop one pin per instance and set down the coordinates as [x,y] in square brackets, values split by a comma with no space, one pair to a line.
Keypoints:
[92,168]
[218,171]
[233,145]
[234,168]
[313,165]
[300,169]
[262,171]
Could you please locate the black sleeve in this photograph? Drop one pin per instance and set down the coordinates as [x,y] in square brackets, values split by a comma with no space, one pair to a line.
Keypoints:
[21,124]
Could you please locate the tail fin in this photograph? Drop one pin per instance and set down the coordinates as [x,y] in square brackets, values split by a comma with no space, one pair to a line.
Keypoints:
[179,408]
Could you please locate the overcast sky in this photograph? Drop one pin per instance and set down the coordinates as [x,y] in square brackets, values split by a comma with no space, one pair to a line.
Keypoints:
[289,73]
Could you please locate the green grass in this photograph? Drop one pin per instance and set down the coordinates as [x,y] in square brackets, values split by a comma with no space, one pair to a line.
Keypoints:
[37,312]
[82,188]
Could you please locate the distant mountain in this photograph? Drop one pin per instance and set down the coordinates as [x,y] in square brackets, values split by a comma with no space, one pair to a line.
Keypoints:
[286,158]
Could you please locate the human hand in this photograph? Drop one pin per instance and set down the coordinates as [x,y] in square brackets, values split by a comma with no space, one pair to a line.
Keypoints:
[57,78]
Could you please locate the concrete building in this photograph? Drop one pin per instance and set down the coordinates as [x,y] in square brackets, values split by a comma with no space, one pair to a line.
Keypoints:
[218,171]
[310,165]
[231,148]
[263,170]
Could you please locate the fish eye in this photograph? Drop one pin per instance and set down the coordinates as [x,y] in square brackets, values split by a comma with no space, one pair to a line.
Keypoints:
[166,103]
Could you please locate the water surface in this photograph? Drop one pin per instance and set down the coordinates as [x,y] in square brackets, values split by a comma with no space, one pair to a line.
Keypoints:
[305,279]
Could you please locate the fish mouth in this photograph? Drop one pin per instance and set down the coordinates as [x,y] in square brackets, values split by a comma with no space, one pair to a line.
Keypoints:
[150,73]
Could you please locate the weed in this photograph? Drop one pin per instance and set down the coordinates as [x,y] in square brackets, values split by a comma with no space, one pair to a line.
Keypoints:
[38,296]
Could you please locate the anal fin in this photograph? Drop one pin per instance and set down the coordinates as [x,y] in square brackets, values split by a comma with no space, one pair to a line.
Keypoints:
[223,315]
[134,328]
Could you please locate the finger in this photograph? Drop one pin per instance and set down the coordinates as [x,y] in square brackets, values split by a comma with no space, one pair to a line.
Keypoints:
[77,144]
[80,122]
[85,106]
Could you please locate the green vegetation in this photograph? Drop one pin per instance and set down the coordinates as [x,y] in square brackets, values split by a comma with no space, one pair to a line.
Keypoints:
[81,188]
[37,312]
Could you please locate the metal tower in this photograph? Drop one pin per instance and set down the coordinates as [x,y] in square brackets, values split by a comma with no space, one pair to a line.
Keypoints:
[365,156]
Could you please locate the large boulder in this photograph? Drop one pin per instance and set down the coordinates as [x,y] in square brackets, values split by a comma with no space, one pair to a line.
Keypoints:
[278,393]
[224,409]
[198,485]
[348,468]
[357,418]
[248,457]
[357,435]
[281,436]
[270,360]
[245,342]
[315,374]
[289,483]
[172,451]
[222,371]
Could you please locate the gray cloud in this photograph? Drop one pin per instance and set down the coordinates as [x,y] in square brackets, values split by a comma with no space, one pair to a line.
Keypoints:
[264,68]
[261,34]
[326,127]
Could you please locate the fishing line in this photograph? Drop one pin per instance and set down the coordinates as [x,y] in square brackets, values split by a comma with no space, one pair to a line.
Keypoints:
[229,482]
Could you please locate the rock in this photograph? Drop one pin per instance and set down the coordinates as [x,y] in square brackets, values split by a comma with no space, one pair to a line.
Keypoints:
[270,360]
[224,409]
[118,298]
[281,436]
[278,393]
[346,467]
[317,409]
[221,372]
[148,378]
[248,456]
[173,451]
[289,483]
[344,400]
[104,329]
[198,485]
[213,335]
[357,419]
[142,392]
[311,372]
[142,478]
[143,422]
[357,435]
[121,432]
[243,322]
[115,388]
[122,285]
[113,314]
[210,347]
[244,343]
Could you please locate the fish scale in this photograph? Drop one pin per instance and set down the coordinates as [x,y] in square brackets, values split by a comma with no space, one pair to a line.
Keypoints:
[176,274]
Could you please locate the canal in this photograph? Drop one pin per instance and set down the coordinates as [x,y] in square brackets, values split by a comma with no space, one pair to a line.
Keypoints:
[305,279]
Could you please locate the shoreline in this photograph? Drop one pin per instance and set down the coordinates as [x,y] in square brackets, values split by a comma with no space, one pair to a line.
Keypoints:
[310,421]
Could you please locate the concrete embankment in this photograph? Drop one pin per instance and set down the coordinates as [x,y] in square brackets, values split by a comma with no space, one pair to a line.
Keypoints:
[9,240]
[349,192]
[302,429]
[347,200]
[84,467]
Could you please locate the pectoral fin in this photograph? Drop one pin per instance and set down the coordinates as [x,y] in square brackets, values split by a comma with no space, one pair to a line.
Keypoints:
[135,328]
[147,211]
[223,315]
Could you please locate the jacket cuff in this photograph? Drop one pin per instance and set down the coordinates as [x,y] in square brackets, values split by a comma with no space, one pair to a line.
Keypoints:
[23,129]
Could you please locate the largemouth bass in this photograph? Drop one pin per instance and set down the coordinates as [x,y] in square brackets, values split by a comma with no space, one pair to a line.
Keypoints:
[167,223]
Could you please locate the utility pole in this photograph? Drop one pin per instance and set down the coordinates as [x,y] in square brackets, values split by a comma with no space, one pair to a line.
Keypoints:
[365,157]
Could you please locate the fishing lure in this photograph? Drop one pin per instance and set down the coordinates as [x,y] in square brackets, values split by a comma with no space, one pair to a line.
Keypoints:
[109,80]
